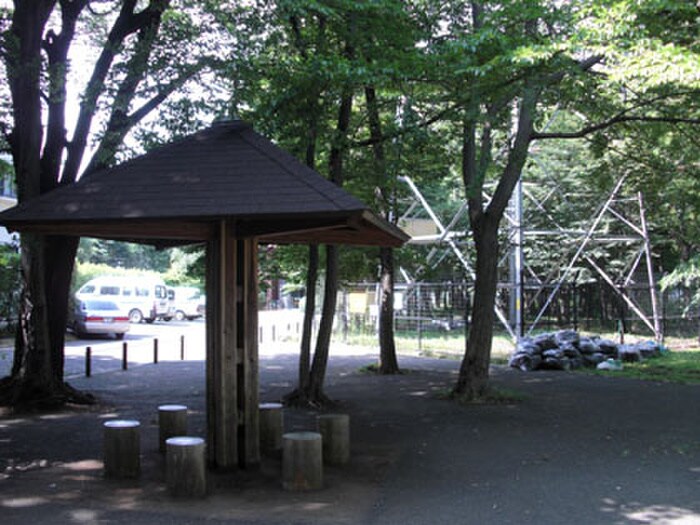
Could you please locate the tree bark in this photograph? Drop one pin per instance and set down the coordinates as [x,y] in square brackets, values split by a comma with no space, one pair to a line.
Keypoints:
[388,363]
[473,377]
[484,221]
[47,261]
[323,339]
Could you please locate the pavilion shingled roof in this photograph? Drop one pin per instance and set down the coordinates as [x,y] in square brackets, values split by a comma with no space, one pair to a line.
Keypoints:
[179,192]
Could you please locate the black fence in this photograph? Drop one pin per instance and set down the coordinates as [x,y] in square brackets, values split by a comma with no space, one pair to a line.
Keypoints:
[591,307]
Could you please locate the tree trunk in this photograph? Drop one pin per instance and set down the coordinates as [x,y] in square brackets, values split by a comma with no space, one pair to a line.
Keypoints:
[325,329]
[474,370]
[388,364]
[36,380]
[300,395]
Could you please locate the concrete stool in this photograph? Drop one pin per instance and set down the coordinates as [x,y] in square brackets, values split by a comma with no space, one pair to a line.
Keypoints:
[172,421]
[185,471]
[302,461]
[271,424]
[335,429]
[122,448]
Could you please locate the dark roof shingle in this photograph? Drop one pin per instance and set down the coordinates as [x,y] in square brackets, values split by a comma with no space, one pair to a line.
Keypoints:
[227,171]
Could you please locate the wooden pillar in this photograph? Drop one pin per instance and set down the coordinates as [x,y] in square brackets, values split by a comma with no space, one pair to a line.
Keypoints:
[122,448]
[302,461]
[232,350]
[172,421]
[271,427]
[335,430]
[185,474]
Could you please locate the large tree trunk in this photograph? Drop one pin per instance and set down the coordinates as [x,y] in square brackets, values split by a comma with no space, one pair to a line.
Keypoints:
[308,324]
[474,370]
[325,329]
[300,395]
[47,262]
[36,380]
[388,364]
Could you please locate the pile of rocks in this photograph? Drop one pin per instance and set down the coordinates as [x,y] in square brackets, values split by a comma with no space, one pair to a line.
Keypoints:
[567,350]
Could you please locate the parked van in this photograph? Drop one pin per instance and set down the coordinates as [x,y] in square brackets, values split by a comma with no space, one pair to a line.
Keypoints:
[142,298]
[185,303]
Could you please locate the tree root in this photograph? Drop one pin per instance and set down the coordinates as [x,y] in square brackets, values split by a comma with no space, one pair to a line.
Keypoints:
[300,399]
[26,396]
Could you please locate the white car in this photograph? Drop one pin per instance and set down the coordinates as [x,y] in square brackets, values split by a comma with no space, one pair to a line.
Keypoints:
[186,302]
[99,316]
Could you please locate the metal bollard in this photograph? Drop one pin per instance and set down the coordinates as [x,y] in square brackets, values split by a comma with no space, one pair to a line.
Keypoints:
[88,361]
[155,351]
[124,356]
[182,348]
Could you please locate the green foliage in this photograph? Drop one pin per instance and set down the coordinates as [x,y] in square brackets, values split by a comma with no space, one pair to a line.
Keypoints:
[686,274]
[10,280]
[123,255]
[85,271]
[187,266]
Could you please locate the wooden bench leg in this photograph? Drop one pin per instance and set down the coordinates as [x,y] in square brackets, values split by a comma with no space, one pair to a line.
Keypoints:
[335,429]
[172,422]
[271,427]
[302,461]
[185,468]
[122,449]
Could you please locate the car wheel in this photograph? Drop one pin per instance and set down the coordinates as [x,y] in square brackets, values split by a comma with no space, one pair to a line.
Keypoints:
[179,315]
[150,320]
[119,336]
[135,316]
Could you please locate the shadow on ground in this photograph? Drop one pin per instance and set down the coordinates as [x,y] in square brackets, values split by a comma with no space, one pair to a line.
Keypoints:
[577,448]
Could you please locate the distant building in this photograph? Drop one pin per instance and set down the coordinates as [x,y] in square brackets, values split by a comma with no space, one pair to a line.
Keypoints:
[8,198]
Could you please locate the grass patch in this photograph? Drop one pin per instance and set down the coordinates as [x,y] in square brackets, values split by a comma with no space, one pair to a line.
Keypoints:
[671,367]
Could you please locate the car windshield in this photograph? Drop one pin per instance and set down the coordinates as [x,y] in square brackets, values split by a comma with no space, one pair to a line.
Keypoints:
[100,305]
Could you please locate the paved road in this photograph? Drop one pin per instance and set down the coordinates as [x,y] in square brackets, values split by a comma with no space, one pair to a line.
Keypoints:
[277,329]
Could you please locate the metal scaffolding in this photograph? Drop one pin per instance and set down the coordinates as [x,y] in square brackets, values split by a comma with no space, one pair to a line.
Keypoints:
[629,230]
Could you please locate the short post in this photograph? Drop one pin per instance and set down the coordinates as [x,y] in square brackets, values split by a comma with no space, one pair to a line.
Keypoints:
[124,356]
[155,351]
[335,429]
[185,470]
[122,444]
[172,422]
[271,427]
[182,348]
[88,361]
[302,461]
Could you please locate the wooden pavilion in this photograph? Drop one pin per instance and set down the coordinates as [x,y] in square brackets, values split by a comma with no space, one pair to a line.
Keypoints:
[230,188]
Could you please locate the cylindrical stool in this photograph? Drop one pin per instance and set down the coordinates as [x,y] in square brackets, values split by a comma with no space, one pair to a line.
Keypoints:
[122,448]
[185,470]
[271,425]
[172,422]
[335,429]
[302,461]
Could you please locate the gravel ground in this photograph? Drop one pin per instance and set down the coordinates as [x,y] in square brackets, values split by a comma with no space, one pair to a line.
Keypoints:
[575,449]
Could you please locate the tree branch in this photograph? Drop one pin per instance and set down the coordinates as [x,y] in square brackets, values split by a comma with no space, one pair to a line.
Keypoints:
[120,125]
[127,23]
[56,47]
[618,119]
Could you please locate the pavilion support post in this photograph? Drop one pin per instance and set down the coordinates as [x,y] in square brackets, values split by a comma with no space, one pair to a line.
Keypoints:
[232,351]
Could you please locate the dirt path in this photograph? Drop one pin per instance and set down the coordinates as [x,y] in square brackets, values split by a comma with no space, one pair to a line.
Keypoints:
[576,449]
